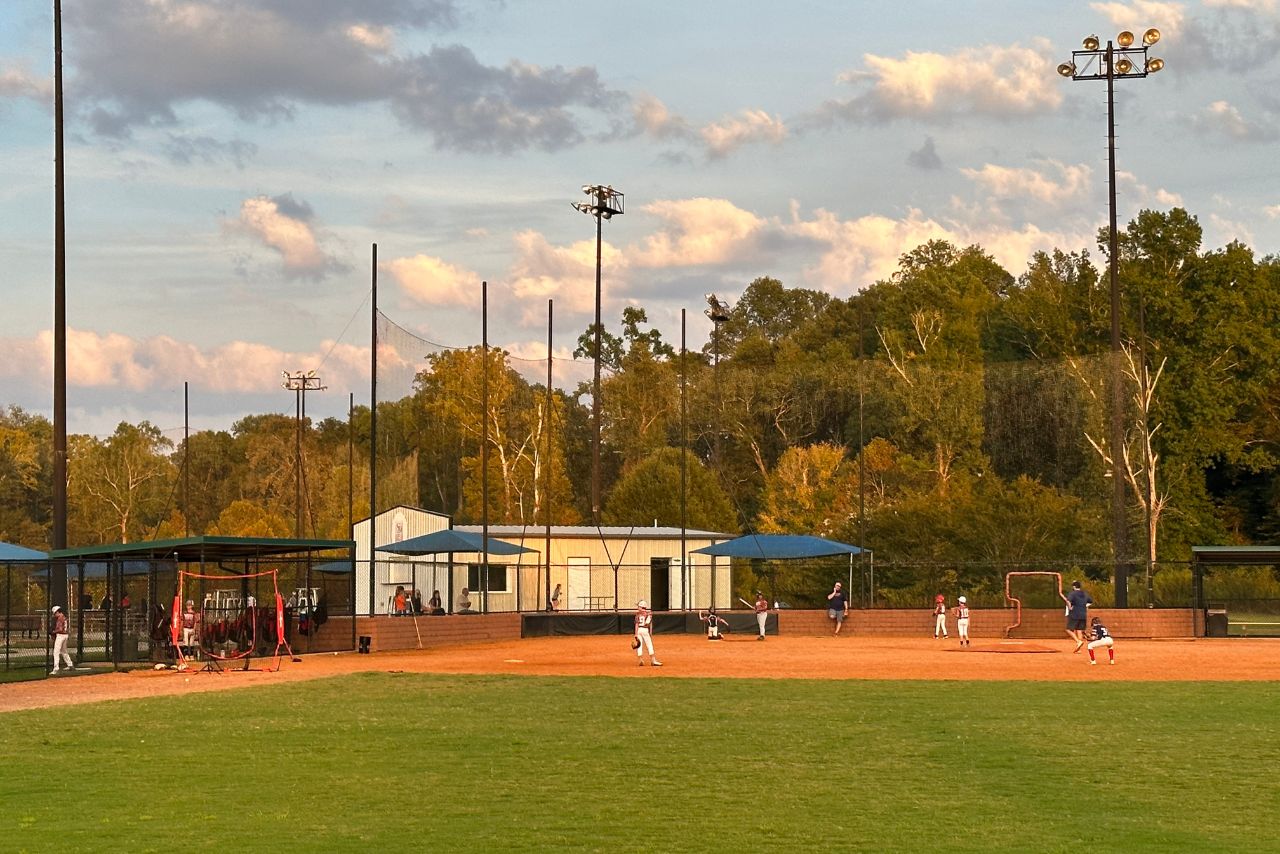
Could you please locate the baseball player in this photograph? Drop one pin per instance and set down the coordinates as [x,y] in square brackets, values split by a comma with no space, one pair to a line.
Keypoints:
[714,621]
[762,613]
[189,621]
[644,634]
[1100,637]
[940,617]
[60,634]
[962,620]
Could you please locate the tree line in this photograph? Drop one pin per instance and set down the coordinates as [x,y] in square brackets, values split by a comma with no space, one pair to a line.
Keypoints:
[952,413]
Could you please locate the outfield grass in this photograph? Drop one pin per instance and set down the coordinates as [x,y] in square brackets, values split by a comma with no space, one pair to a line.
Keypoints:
[395,762]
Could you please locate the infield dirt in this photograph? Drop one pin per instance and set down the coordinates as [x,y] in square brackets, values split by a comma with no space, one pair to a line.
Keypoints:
[736,657]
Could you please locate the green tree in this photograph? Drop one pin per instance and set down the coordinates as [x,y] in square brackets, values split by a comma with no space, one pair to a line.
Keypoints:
[650,490]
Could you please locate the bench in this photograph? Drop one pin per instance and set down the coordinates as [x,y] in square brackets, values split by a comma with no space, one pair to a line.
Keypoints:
[595,603]
[28,625]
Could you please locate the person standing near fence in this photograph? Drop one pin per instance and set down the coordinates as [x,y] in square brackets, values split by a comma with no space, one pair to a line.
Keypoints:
[1078,603]
[962,620]
[644,634]
[60,634]
[762,613]
[940,617]
[837,607]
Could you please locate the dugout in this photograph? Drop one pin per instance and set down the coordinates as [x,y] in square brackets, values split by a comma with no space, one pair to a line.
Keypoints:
[1236,590]
[120,595]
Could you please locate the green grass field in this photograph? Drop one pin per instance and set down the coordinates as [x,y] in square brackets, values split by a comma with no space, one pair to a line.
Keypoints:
[411,762]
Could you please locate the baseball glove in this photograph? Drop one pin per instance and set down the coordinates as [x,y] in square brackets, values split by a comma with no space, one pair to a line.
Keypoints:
[635,642]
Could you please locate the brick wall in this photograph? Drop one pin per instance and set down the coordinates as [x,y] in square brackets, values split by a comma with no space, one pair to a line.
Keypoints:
[388,633]
[1131,623]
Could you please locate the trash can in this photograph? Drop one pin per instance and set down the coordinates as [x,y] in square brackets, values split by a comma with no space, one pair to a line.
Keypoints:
[1215,623]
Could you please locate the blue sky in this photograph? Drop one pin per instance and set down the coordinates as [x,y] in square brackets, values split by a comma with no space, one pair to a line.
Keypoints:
[229,163]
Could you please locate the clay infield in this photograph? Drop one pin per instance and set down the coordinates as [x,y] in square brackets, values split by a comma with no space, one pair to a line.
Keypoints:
[737,657]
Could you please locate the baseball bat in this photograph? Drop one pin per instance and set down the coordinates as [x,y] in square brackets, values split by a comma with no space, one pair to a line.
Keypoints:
[745,602]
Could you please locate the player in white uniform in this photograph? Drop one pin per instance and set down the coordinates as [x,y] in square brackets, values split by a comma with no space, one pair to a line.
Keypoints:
[1098,638]
[644,633]
[962,620]
[940,617]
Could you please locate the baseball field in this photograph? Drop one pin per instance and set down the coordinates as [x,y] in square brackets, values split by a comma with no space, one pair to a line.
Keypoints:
[795,744]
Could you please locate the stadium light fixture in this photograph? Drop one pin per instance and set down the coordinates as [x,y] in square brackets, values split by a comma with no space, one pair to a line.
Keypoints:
[299,383]
[1121,59]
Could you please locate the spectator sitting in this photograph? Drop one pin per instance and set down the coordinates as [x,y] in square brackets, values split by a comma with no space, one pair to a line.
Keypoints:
[464,602]
[436,604]
[400,605]
[417,601]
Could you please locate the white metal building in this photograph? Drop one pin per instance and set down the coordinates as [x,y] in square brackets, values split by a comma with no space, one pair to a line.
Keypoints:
[598,568]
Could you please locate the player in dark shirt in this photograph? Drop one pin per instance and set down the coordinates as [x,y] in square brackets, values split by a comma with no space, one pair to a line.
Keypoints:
[1078,603]
[714,621]
[1100,637]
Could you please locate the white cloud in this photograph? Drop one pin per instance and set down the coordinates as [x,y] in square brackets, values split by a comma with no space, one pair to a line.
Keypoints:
[1054,184]
[529,359]
[652,117]
[1128,186]
[990,81]
[433,281]
[1226,230]
[727,135]
[136,365]
[697,231]
[18,82]
[1266,6]
[1224,118]
[1138,15]
[378,39]
[283,224]
[1272,211]
[566,274]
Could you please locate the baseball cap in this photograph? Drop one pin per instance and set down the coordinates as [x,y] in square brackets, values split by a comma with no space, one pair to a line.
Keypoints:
[939,598]
[962,599]
[55,609]
[642,604]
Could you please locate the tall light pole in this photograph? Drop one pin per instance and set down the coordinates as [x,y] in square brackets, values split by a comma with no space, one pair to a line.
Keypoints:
[717,312]
[1122,59]
[299,382]
[606,203]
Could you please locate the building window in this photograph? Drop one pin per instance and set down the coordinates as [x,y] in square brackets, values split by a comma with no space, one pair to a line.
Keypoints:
[497,578]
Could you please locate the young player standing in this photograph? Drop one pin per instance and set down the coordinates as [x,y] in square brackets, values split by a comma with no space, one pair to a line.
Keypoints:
[962,620]
[60,634]
[940,617]
[762,613]
[644,633]
[1100,637]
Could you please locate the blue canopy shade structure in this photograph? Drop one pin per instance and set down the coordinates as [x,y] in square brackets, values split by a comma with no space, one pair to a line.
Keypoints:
[451,540]
[8,551]
[778,547]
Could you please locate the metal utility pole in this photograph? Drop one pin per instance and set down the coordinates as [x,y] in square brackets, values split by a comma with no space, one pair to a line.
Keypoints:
[58,570]
[606,203]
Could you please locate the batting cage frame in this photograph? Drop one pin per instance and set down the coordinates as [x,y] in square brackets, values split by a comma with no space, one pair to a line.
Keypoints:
[1017,603]
[228,618]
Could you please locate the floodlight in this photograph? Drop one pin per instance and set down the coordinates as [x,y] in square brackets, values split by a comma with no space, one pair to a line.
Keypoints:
[1150,37]
[1154,64]
[1124,66]
[1091,43]
[1124,39]
[1066,69]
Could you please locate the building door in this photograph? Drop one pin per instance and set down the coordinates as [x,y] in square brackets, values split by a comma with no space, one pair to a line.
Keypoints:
[578,588]
[660,583]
